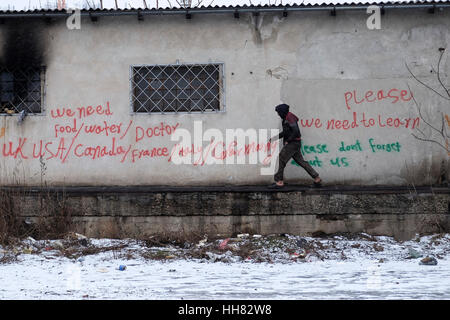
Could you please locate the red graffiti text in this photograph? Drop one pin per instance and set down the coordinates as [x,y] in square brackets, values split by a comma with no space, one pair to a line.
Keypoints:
[395,95]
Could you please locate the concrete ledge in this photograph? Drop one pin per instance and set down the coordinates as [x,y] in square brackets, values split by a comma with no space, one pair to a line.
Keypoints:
[377,189]
[402,227]
[131,211]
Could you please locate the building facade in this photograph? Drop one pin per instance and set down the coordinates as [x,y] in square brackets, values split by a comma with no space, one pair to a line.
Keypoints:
[131,97]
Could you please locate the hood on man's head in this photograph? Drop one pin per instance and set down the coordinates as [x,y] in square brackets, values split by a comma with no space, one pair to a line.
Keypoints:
[282,110]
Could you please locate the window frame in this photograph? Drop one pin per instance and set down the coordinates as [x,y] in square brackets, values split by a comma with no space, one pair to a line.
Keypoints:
[222,104]
[43,85]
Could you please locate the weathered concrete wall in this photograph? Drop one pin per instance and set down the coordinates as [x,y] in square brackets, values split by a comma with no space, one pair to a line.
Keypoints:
[141,212]
[323,66]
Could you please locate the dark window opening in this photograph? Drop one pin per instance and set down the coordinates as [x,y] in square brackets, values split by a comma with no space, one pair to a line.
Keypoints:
[177,88]
[21,89]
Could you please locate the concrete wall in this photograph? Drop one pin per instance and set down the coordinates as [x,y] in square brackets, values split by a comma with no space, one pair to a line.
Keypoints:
[133,212]
[312,61]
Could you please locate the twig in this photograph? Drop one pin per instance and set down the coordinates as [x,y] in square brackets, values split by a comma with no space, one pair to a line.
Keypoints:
[429,140]
[420,112]
[439,74]
[424,84]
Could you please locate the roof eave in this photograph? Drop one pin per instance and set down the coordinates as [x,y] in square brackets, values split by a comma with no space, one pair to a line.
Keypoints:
[213,10]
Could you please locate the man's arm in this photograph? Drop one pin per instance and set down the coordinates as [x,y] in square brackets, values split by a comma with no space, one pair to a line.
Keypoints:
[279,136]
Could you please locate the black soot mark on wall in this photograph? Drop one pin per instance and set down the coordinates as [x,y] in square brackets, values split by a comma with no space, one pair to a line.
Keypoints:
[21,66]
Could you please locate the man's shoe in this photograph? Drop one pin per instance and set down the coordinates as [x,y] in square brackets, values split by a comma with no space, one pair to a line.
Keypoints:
[317,184]
[275,186]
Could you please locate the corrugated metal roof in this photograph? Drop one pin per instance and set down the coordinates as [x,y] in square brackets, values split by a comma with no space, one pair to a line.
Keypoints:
[285,4]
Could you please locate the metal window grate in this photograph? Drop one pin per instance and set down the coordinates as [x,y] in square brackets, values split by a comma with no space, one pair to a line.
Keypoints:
[177,88]
[21,89]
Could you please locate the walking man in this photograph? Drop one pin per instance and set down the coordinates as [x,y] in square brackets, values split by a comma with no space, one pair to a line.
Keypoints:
[291,147]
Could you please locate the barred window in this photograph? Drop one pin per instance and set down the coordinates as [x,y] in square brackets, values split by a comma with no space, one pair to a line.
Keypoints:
[21,89]
[177,88]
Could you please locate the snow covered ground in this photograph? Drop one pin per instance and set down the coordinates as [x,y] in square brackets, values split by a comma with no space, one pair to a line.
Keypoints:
[277,267]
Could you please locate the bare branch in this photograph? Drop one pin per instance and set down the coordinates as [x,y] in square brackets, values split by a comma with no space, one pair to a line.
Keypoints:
[429,140]
[420,112]
[201,1]
[423,134]
[88,4]
[424,84]
[439,74]
[441,132]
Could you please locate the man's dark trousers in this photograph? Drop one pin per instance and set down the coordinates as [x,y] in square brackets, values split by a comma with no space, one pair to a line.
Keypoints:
[292,150]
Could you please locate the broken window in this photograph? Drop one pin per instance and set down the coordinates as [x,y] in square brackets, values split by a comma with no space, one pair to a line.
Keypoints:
[177,88]
[21,89]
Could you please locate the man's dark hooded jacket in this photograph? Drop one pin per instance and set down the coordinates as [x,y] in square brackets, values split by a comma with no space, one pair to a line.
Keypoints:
[291,131]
